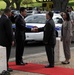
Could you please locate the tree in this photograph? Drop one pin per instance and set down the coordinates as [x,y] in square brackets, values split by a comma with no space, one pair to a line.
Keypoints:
[18,3]
[11,3]
[60,5]
[8,3]
[26,2]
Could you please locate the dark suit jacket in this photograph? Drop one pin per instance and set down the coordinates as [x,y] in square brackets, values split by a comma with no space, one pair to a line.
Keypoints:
[49,32]
[6,33]
[21,28]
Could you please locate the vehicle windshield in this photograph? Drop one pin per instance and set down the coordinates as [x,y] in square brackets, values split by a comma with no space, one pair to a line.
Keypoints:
[58,20]
[41,19]
[36,19]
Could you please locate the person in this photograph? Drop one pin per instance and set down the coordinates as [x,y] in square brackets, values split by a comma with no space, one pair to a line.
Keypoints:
[71,13]
[6,33]
[38,11]
[20,36]
[12,17]
[49,38]
[66,35]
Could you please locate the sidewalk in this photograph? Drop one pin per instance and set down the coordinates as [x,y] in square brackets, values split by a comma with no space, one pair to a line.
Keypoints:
[42,59]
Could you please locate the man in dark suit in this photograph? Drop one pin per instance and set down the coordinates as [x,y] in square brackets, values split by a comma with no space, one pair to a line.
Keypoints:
[20,36]
[6,33]
[49,38]
[12,17]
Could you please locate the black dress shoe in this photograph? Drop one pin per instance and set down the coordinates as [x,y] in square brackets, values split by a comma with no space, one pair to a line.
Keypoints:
[21,63]
[9,69]
[65,62]
[49,66]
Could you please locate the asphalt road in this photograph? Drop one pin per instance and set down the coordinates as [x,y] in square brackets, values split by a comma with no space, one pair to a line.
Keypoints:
[31,48]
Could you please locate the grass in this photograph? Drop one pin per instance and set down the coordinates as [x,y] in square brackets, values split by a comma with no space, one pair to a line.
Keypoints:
[3,4]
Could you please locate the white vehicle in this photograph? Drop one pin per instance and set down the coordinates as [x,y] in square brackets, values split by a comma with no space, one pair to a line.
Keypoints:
[39,21]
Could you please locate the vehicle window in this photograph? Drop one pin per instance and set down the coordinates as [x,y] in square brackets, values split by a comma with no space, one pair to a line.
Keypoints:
[58,20]
[36,19]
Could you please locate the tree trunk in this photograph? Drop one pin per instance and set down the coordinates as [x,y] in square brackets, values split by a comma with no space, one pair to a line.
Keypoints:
[60,5]
[12,4]
[17,6]
[64,5]
[18,2]
[8,3]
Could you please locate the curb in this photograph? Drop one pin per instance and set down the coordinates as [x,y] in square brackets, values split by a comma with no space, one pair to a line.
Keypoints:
[34,55]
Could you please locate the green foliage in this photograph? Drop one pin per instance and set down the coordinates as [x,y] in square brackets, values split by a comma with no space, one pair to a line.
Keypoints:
[71,3]
[3,4]
[19,1]
[27,1]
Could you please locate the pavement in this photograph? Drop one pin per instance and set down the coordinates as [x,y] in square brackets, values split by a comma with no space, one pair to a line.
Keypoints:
[41,58]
